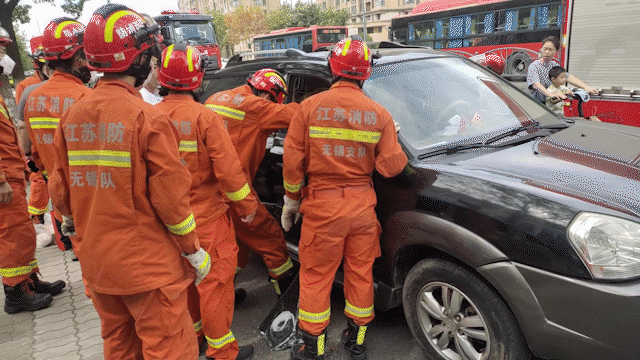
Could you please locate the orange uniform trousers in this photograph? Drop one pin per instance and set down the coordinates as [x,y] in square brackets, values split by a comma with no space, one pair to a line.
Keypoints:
[264,237]
[338,224]
[17,238]
[215,293]
[39,196]
[150,325]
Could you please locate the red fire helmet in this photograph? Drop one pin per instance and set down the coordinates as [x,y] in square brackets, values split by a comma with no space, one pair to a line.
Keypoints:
[271,81]
[62,38]
[181,68]
[115,36]
[351,59]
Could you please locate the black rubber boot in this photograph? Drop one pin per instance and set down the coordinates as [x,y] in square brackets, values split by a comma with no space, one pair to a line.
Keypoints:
[20,297]
[353,340]
[43,287]
[312,347]
[282,283]
[244,352]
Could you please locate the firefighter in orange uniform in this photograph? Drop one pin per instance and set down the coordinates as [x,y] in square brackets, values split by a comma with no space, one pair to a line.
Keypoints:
[119,184]
[251,112]
[18,266]
[39,195]
[338,139]
[62,46]
[215,169]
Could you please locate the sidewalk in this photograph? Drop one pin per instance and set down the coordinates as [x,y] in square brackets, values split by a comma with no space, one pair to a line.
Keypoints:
[68,329]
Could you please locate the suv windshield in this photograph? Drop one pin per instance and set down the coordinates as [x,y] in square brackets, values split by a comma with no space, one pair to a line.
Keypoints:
[195,33]
[445,100]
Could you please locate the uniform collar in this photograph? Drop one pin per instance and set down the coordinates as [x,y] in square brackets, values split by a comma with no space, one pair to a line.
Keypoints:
[118,83]
[58,74]
[177,97]
[348,84]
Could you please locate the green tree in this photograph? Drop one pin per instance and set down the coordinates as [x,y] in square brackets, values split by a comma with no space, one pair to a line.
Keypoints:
[244,23]
[305,15]
[27,63]
[73,7]
[221,32]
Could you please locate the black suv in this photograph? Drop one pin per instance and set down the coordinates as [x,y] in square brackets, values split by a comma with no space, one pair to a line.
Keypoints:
[510,231]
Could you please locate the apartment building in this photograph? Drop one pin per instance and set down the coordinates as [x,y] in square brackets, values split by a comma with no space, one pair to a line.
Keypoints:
[378,14]
[227,6]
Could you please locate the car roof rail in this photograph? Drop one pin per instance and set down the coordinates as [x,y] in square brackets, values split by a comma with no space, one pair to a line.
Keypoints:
[395,45]
[281,53]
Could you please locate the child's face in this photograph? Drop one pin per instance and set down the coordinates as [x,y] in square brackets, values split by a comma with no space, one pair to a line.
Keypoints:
[560,80]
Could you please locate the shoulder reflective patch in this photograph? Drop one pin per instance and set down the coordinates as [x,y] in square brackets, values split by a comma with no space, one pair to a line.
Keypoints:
[188,146]
[292,188]
[227,111]
[318,132]
[185,227]
[44,122]
[100,158]
[240,194]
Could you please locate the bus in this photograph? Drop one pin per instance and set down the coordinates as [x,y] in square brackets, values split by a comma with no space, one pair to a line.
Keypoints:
[307,39]
[599,42]
[512,28]
[195,29]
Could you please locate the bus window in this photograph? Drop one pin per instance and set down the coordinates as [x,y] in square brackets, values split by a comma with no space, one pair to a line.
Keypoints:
[307,42]
[526,18]
[500,20]
[548,16]
[442,28]
[424,30]
[477,24]
[331,35]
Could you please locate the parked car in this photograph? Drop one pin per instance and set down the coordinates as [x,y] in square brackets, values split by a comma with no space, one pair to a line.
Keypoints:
[511,231]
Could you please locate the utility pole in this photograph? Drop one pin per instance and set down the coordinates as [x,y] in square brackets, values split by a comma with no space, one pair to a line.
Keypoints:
[364,21]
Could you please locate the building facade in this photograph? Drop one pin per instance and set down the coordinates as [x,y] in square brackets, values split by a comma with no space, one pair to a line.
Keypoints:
[378,14]
[227,6]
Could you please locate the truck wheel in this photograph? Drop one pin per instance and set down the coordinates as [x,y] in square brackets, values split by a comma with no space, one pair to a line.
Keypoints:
[454,315]
[517,64]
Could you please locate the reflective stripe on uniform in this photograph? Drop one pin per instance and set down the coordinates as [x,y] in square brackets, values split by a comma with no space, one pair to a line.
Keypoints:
[356,311]
[44,122]
[36,211]
[292,188]
[240,194]
[344,134]
[314,317]
[283,268]
[321,341]
[220,342]
[197,326]
[17,271]
[183,228]
[188,146]
[4,112]
[227,111]
[100,157]
[362,330]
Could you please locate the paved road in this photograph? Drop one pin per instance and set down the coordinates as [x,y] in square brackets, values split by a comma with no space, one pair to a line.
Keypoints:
[70,328]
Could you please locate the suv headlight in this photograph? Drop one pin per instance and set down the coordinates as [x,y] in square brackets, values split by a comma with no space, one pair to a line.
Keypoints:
[609,246]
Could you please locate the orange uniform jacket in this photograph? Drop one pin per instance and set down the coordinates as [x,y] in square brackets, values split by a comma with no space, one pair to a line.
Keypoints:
[337,139]
[33,79]
[44,108]
[211,159]
[249,120]
[12,162]
[118,171]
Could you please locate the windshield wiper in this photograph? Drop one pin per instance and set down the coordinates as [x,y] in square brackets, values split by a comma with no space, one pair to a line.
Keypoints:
[487,144]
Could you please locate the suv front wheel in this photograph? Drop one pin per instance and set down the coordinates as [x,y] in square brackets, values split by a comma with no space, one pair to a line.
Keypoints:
[454,315]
